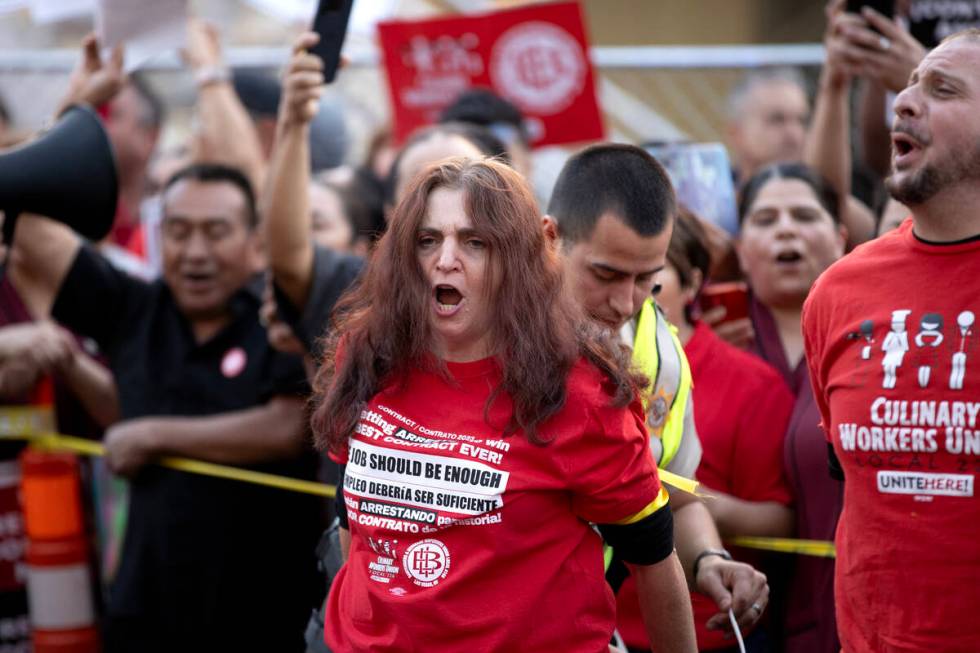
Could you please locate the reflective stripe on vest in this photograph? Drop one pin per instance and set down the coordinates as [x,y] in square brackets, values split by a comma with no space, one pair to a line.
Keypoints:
[658,353]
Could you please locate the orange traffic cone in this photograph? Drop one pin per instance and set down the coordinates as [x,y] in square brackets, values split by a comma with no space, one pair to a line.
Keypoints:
[59,582]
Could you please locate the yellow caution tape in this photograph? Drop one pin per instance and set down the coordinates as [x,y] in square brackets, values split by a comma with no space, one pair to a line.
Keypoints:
[681,483]
[31,423]
[54,441]
[816,548]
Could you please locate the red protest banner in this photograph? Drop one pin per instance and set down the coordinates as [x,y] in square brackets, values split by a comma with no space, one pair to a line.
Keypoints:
[536,57]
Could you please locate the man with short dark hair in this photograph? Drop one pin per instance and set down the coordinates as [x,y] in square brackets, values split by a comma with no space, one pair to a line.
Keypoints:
[207,564]
[613,210]
[899,400]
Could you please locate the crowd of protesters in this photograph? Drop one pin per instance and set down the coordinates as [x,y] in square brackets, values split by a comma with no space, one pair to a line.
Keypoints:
[492,383]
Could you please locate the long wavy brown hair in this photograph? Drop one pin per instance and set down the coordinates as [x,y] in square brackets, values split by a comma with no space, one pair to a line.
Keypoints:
[382,324]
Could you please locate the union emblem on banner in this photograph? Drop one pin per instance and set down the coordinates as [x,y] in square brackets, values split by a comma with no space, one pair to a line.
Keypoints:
[536,57]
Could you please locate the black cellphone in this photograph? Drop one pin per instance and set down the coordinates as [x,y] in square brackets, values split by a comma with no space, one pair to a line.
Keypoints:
[884,7]
[330,22]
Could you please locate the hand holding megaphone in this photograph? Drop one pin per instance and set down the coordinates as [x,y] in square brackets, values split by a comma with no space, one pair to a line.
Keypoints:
[68,173]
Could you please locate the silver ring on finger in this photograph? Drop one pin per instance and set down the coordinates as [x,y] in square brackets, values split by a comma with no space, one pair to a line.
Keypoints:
[757,608]
[884,43]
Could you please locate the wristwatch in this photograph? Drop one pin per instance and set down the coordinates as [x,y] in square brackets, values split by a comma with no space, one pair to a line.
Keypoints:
[709,552]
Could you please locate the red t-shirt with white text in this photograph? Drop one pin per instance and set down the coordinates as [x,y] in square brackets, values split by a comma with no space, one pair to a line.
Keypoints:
[894,354]
[465,540]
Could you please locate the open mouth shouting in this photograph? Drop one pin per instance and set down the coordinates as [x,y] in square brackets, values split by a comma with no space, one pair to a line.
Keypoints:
[906,148]
[448,300]
[789,257]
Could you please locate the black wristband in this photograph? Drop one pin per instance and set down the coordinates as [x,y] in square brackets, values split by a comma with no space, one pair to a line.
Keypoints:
[704,554]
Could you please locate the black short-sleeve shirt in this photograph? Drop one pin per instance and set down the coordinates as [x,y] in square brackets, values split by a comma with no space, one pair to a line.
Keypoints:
[333,274]
[200,550]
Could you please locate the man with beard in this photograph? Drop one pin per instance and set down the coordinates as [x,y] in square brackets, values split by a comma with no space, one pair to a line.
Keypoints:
[612,211]
[908,567]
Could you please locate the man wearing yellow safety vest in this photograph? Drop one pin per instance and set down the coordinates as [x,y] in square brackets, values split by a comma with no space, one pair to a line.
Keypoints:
[612,212]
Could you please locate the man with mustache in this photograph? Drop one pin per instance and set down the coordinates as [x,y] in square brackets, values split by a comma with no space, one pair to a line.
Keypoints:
[908,567]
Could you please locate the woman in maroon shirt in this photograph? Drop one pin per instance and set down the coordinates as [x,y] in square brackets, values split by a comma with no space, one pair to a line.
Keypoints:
[790,233]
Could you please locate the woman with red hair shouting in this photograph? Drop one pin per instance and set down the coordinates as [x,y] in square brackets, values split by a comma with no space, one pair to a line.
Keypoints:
[485,425]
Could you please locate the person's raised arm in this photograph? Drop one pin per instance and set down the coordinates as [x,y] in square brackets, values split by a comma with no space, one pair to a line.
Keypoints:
[875,136]
[46,249]
[828,145]
[225,131]
[273,431]
[885,55]
[827,148]
[44,252]
[93,81]
[285,202]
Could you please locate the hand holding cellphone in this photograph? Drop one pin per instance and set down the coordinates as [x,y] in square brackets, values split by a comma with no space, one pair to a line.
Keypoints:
[330,22]
[884,7]
[733,295]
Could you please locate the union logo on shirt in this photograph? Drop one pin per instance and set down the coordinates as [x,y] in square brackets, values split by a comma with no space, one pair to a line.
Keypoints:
[426,562]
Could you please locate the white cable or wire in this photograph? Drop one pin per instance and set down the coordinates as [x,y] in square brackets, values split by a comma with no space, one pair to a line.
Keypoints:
[738,633]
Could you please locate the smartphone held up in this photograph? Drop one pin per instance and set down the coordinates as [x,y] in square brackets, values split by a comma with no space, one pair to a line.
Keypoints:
[330,22]
[733,295]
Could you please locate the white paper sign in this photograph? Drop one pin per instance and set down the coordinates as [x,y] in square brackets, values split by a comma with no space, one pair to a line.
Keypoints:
[147,27]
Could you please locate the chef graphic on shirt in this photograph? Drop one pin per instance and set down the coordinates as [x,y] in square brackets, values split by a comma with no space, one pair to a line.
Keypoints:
[895,345]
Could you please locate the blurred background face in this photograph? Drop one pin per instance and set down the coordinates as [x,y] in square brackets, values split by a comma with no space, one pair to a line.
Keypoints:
[133,139]
[424,153]
[771,127]
[456,262]
[331,227]
[208,250]
[164,165]
[787,240]
[674,297]
[614,270]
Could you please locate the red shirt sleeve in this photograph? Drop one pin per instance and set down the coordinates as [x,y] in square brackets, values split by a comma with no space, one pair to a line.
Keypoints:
[611,471]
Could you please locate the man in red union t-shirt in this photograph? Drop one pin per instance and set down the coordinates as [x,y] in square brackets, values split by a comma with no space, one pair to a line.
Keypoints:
[903,415]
